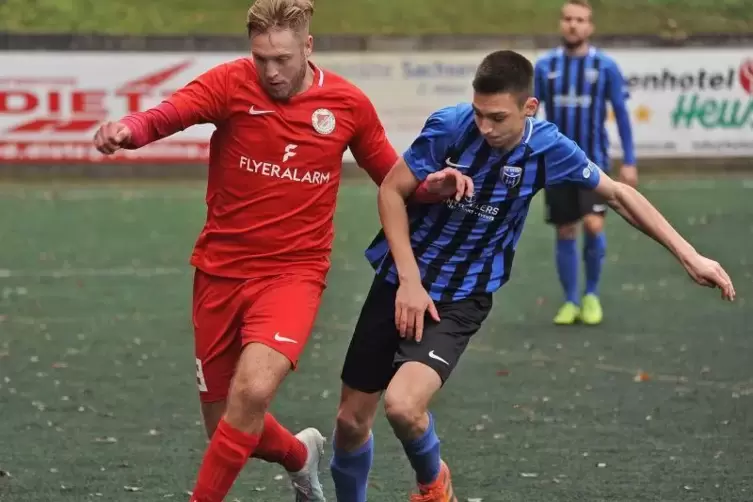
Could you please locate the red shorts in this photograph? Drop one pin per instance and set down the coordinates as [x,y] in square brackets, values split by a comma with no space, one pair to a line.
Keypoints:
[278,311]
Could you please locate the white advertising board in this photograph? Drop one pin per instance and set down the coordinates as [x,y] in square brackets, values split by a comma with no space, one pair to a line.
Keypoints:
[695,103]
[688,102]
[51,103]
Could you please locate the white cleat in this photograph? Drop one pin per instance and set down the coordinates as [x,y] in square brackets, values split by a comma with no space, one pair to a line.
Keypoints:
[306,481]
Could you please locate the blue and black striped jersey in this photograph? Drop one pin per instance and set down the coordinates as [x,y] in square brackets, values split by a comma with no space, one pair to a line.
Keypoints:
[575,92]
[464,248]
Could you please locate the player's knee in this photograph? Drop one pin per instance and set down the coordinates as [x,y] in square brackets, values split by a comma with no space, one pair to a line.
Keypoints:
[593,225]
[403,412]
[352,427]
[251,396]
[569,231]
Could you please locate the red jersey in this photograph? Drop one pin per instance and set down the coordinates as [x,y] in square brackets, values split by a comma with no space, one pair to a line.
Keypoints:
[274,167]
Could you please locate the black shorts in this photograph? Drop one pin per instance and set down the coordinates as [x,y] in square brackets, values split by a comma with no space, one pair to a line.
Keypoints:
[568,203]
[376,350]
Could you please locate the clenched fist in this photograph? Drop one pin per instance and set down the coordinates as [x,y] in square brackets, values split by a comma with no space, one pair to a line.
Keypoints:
[111,136]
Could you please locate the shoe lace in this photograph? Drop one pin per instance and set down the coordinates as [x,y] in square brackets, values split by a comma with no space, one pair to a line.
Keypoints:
[303,490]
[433,494]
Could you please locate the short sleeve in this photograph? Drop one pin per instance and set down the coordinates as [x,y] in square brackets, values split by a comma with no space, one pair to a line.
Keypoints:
[203,100]
[567,163]
[370,147]
[426,154]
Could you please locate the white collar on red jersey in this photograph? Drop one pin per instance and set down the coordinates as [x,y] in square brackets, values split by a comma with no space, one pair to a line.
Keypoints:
[318,78]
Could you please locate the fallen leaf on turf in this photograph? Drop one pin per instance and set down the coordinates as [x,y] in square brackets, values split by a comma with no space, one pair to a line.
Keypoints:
[641,376]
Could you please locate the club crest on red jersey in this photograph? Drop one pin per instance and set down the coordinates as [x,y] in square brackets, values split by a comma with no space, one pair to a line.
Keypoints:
[323,121]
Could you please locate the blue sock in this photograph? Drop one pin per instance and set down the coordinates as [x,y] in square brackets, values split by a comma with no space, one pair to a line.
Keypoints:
[567,268]
[423,454]
[350,471]
[595,249]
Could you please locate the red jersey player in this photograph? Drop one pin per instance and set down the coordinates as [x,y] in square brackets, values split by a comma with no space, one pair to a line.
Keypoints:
[282,126]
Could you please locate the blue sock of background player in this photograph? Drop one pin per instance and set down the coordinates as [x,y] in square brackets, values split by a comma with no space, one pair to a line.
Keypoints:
[594,251]
[567,268]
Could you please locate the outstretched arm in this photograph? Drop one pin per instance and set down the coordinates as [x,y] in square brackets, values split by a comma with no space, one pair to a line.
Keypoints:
[151,125]
[568,163]
[640,213]
[201,101]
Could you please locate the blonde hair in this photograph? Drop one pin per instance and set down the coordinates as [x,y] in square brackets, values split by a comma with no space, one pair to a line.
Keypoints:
[265,15]
[580,3]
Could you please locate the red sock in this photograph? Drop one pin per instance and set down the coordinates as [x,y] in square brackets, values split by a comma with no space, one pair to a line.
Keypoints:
[228,452]
[280,446]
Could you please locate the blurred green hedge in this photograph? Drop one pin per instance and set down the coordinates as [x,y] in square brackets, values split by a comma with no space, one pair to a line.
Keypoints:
[374,16]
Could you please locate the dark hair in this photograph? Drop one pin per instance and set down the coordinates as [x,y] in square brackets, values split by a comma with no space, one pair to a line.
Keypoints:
[503,72]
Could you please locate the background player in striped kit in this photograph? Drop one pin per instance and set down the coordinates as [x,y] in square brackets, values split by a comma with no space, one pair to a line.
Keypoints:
[446,260]
[575,82]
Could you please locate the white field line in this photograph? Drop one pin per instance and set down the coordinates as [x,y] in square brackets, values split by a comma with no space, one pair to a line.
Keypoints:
[93,272]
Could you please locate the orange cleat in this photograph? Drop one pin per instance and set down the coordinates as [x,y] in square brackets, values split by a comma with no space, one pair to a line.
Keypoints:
[438,491]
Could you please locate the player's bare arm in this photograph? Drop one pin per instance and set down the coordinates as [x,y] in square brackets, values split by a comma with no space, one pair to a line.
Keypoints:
[446,184]
[412,300]
[640,213]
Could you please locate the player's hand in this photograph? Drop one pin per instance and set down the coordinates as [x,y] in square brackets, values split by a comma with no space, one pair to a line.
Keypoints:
[111,136]
[449,183]
[629,175]
[709,273]
[411,304]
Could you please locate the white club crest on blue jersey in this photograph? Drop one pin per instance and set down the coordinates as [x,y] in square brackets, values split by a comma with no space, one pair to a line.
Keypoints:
[511,176]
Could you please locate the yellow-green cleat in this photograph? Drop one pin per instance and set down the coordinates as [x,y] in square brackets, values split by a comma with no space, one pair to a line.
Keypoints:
[567,314]
[591,312]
